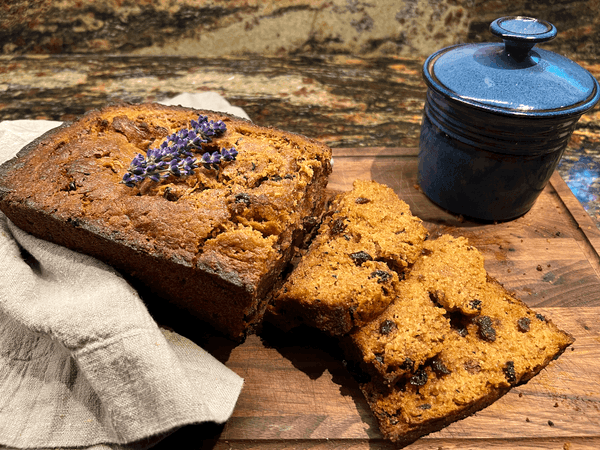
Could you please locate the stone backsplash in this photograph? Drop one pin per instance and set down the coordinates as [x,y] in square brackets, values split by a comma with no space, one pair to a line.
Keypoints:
[208,28]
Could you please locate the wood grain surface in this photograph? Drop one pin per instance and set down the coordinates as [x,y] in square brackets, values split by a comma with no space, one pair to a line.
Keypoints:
[298,392]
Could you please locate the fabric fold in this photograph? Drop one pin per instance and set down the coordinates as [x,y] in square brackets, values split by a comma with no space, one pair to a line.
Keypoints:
[83,363]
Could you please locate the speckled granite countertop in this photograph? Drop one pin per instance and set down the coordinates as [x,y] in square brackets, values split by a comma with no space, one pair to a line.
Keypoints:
[342,100]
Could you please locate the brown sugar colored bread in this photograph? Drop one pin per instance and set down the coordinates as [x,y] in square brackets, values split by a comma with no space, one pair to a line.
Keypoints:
[214,241]
[409,333]
[426,376]
[453,272]
[363,248]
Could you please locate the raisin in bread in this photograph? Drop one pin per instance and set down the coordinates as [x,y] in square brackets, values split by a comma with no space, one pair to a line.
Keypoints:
[214,240]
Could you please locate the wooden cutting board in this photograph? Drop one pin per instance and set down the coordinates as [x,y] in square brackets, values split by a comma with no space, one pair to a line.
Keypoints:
[299,394]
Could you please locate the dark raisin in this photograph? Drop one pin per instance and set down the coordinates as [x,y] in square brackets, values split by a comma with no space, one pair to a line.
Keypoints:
[382,275]
[387,326]
[379,358]
[425,406]
[408,364]
[475,304]
[439,367]
[72,186]
[540,317]
[338,226]
[509,372]
[242,198]
[523,324]
[360,257]
[486,330]
[276,178]
[361,200]
[419,378]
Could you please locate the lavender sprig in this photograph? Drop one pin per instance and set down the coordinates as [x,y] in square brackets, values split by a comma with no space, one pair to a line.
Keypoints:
[175,155]
[212,160]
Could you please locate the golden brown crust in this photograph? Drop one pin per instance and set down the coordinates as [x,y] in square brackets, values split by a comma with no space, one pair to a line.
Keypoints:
[232,229]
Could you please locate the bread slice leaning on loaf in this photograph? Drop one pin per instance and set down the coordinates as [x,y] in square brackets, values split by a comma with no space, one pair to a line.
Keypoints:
[213,241]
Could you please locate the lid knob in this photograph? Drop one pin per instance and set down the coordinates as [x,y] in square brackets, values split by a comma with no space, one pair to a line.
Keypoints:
[521,33]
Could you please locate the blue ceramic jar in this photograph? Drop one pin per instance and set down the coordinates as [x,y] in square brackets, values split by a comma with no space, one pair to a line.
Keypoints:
[497,119]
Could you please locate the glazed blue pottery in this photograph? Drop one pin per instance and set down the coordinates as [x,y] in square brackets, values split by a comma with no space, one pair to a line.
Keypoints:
[497,119]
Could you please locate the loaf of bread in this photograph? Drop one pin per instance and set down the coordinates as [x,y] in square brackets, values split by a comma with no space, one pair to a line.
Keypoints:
[203,208]
[453,343]
[363,248]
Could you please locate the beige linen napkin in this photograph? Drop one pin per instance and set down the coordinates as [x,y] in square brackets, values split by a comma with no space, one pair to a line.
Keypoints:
[82,363]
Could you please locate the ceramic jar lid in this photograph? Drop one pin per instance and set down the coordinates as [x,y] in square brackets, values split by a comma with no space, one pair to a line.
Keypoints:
[513,77]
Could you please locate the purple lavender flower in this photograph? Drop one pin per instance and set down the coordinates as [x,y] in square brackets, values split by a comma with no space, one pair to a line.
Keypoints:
[208,128]
[229,154]
[211,160]
[188,165]
[175,155]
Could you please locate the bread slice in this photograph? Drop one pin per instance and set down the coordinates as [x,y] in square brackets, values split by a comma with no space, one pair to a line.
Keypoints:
[214,241]
[363,248]
[453,343]
[408,334]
